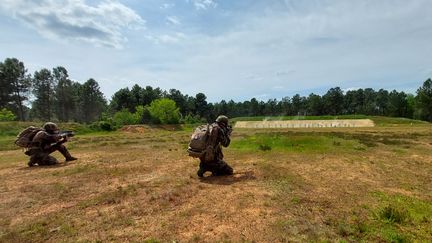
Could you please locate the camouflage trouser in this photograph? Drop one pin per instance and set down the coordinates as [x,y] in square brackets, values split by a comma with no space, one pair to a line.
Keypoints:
[217,168]
[43,157]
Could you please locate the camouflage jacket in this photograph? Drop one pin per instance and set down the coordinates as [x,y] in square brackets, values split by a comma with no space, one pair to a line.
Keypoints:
[218,137]
[43,140]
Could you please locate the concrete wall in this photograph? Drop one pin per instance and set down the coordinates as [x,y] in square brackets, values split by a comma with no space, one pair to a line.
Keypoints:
[305,123]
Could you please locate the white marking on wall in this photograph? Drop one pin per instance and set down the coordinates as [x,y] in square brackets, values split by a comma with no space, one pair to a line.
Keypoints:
[306,123]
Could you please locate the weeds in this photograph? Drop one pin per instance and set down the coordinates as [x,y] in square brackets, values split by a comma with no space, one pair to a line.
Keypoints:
[394,214]
[264,147]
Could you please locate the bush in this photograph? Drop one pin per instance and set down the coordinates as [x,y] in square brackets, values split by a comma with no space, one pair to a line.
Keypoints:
[190,119]
[139,114]
[6,115]
[164,111]
[124,117]
[106,126]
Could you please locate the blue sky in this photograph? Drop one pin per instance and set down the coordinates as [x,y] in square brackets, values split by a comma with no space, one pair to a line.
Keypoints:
[224,48]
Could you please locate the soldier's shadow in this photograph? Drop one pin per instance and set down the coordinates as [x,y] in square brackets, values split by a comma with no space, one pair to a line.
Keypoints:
[41,167]
[229,179]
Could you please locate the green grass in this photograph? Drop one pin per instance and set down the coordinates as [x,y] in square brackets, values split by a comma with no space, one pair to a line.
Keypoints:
[418,211]
[291,142]
[386,121]
[7,143]
[395,218]
[42,230]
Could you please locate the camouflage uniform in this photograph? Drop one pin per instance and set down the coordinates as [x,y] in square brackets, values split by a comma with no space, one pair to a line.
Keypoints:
[214,163]
[43,144]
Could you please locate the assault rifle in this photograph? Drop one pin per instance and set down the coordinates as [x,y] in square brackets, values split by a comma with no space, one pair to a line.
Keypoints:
[67,134]
[229,130]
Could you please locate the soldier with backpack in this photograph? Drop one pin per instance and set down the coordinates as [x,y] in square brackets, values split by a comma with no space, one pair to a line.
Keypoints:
[206,145]
[42,142]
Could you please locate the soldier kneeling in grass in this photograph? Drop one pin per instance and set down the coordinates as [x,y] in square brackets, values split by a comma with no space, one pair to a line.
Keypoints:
[206,145]
[40,143]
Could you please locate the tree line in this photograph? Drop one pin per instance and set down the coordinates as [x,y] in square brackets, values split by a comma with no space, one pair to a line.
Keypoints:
[48,94]
[52,95]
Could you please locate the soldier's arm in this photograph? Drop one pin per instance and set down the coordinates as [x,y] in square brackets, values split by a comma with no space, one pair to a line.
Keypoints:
[224,138]
[53,139]
[214,137]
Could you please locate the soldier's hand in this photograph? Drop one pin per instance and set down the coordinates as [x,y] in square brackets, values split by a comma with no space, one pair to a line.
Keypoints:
[229,130]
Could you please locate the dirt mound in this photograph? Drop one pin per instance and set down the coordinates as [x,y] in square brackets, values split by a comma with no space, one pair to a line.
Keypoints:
[146,128]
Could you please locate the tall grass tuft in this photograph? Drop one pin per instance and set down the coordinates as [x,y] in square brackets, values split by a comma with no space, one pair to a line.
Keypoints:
[394,214]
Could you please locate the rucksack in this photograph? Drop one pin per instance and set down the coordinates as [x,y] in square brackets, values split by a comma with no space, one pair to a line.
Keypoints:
[198,142]
[26,136]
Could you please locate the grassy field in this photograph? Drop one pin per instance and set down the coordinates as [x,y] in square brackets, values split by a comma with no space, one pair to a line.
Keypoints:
[138,185]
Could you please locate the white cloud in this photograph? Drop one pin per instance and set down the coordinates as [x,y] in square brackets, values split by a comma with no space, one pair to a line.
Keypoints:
[173,20]
[167,5]
[203,4]
[167,38]
[350,89]
[346,44]
[309,46]
[101,25]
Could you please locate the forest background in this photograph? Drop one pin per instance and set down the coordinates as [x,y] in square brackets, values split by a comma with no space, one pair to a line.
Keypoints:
[50,95]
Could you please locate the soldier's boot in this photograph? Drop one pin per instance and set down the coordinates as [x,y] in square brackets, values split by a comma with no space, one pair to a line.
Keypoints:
[50,160]
[63,150]
[71,159]
[200,172]
[32,161]
[229,170]
[224,169]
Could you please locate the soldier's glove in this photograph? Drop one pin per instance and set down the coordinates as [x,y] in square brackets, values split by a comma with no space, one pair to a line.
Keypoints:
[62,141]
[229,130]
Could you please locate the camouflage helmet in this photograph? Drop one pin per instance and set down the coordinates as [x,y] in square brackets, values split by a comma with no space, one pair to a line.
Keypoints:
[222,119]
[50,127]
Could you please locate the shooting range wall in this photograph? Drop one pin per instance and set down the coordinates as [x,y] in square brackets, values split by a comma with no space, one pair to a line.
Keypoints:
[305,123]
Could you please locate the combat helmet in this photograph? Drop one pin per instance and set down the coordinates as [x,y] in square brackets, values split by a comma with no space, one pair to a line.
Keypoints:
[222,119]
[50,127]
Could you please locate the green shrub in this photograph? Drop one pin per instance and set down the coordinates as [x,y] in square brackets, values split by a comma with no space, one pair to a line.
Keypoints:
[6,115]
[124,117]
[190,119]
[106,126]
[139,114]
[164,111]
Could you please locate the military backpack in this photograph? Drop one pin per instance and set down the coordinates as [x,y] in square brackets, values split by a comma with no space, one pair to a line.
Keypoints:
[26,136]
[198,144]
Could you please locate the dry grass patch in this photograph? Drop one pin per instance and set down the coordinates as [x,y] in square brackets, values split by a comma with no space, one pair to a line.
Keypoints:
[371,184]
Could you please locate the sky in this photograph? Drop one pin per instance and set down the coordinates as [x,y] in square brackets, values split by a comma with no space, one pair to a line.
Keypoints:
[226,49]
